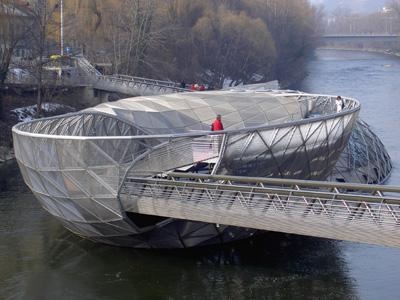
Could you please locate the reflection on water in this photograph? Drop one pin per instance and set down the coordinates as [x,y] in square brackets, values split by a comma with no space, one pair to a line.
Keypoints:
[39,259]
[297,268]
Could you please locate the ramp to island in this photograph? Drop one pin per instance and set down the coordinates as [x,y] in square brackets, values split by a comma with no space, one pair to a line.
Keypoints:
[352,212]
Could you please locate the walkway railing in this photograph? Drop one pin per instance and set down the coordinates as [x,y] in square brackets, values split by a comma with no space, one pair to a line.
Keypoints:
[353,212]
[86,66]
[127,84]
[147,80]
[136,85]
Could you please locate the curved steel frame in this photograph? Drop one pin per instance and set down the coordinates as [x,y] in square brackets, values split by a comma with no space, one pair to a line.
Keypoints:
[77,176]
[364,159]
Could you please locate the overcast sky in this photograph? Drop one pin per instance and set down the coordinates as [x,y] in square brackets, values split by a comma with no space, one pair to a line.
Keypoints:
[356,6]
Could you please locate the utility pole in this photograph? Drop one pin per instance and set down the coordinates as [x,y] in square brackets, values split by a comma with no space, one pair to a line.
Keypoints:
[62,28]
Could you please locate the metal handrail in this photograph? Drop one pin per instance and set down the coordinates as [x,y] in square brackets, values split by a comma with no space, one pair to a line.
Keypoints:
[257,186]
[312,184]
[148,82]
[352,106]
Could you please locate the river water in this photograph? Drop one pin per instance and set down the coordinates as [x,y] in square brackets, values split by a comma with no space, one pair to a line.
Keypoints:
[39,259]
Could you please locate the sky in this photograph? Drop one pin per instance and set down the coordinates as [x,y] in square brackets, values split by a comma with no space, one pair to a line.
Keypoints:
[356,6]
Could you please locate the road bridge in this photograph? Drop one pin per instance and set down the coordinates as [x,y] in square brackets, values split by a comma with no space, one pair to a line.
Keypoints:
[382,37]
[343,211]
[380,42]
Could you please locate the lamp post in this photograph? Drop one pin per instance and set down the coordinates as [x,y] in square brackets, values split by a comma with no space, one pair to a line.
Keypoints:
[62,28]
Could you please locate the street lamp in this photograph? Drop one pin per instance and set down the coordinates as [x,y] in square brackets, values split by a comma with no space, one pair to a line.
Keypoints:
[62,28]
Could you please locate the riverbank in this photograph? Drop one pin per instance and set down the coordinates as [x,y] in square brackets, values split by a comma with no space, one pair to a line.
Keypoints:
[20,107]
[11,178]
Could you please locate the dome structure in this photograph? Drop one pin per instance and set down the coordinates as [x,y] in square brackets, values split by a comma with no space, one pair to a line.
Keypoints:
[78,164]
[188,112]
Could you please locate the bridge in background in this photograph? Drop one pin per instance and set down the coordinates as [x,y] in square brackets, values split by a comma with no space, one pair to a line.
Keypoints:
[367,35]
[375,42]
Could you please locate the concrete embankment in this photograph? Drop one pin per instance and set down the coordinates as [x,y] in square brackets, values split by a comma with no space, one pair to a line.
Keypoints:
[387,52]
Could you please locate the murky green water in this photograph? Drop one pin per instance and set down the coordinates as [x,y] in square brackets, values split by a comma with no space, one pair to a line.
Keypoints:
[39,259]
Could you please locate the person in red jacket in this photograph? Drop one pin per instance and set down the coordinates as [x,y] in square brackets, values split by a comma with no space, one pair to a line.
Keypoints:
[217,124]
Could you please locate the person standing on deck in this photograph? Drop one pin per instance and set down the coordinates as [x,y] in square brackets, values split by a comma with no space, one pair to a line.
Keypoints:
[217,124]
[339,104]
[216,139]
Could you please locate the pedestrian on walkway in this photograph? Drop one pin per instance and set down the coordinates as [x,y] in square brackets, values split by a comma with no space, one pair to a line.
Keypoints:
[216,139]
[339,104]
[217,124]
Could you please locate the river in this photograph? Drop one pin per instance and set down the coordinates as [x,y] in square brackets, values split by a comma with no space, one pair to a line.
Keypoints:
[39,259]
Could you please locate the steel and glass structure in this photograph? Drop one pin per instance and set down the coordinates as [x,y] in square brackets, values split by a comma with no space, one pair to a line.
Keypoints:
[78,165]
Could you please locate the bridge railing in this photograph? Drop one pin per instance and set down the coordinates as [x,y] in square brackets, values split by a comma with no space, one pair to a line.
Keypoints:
[172,154]
[146,80]
[139,85]
[87,67]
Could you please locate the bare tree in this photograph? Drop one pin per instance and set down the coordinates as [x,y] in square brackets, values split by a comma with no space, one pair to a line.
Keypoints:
[132,34]
[180,39]
[43,18]
[14,22]
[395,5]
[233,46]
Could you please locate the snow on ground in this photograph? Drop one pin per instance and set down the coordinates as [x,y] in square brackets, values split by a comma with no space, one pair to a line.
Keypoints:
[270,85]
[273,85]
[27,113]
